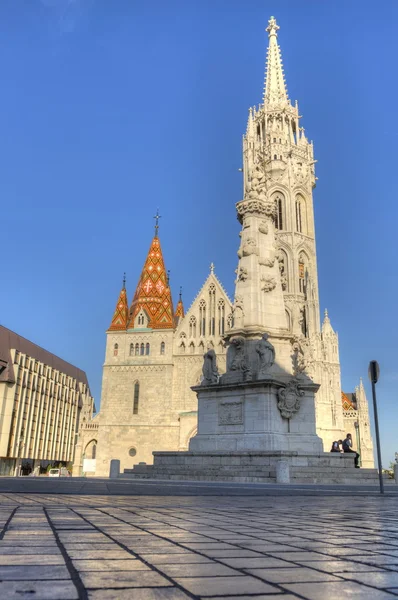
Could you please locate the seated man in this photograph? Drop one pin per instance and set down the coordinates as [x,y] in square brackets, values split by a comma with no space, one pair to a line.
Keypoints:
[347,447]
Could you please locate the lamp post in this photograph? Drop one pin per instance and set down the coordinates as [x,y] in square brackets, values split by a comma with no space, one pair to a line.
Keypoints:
[374,373]
[358,437]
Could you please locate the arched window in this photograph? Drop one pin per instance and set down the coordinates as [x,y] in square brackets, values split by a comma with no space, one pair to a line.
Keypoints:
[202,317]
[212,309]
[275,157]
[298,216]
[221,317]
[303,320]
[230,320]
[131,349]
[137,349]
[142,349]
[162,347]
[192,348]
[301,221]
[94,451]
[147,349]
[136,397]
[182,348]
[279,221]
[115,349]
[192,326]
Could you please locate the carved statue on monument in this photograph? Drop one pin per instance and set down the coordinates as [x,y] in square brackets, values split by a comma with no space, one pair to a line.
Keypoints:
[266,354]
[210,369]
[238,361]
[238,312]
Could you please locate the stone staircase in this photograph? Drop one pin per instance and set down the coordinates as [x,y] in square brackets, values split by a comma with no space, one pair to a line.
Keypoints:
[254,467]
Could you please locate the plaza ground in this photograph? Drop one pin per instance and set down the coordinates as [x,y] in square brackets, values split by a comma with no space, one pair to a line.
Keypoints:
[145,540]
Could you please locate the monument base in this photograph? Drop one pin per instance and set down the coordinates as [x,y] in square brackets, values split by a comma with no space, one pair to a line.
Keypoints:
[255,467]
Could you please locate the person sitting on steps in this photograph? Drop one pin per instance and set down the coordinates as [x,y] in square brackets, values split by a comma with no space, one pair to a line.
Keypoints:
[336,446]
[347,447]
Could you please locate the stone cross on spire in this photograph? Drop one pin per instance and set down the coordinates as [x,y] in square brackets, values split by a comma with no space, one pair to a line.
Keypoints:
[157,217]
[272,27]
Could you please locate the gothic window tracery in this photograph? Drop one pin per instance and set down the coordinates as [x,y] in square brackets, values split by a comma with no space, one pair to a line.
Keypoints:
[202,318]
[192,348]
[301,221]
[162,348]
[221,317]
[147,348]
[115,349]
[131,349]
[192,326]
[142,349]
[230,320]
[279,215]
[137,349]
[212,309]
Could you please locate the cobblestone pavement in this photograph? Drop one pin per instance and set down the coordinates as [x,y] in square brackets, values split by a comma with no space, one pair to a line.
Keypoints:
[68,547]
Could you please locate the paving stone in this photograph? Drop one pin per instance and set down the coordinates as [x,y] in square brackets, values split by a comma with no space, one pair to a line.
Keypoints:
[241,553]
[33,573]
[339,566]
[336,590]
[188,558]
[49,550]
[265,562]
[100,554]
[197,570]
[170,593]
[289,575]
[213,586]
[379,580]
[110,565]
[123,579]
[32,559]
[38,590]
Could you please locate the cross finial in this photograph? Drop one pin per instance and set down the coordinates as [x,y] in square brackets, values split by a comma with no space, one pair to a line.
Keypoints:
[326,313]
[272,27]
[124,281]
[157,217]
[212,268]
[180,292]
[168,277]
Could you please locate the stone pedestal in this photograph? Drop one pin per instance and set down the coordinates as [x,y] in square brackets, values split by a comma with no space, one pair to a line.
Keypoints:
[248,416]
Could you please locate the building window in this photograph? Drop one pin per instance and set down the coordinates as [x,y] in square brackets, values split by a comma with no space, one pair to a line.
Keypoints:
[279,213]
[275,157]
[202,317]
[299,224]
[131,349]
[162,347]
[192,326]
[221,317]
[147,349]
[192,348]
[132,452]
[274,140]
[136,397]
[115,350]
[137,349]
[94,452]
[142,349]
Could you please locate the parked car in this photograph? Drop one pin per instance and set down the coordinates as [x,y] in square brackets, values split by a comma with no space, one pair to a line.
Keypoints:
[62,472]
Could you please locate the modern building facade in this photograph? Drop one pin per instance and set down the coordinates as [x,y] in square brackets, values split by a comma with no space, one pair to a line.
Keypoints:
[154,354]
[42,399]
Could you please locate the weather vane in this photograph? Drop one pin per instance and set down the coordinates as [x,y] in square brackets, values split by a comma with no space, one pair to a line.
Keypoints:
[157,217]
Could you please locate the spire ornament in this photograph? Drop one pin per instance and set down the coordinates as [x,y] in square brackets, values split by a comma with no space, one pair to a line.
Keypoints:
[272,27]
[157,217]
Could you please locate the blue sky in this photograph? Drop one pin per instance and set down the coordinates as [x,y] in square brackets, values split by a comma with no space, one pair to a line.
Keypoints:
[110,109]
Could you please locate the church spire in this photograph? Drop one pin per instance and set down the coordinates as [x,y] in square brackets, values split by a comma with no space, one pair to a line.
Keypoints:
[120,316]
[179,314]
[275,91]
[153,294]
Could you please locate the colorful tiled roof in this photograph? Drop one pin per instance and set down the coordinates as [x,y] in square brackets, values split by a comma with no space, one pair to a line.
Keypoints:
[153,293]
[349,401]
[121,314]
